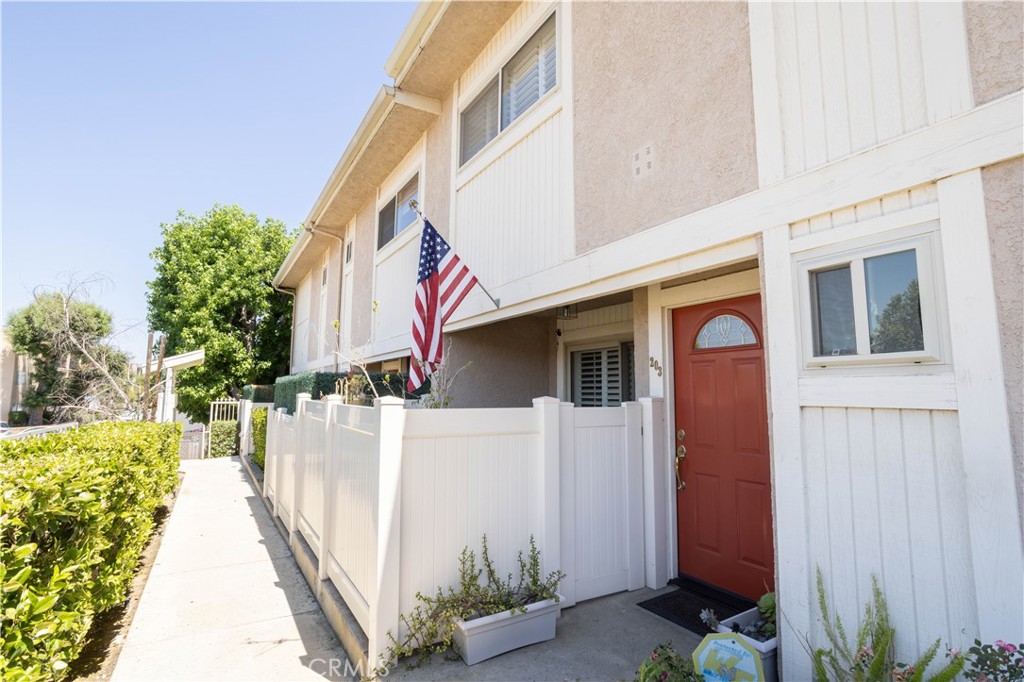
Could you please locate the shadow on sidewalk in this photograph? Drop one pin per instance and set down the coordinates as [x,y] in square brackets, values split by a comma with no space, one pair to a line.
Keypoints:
[332,663]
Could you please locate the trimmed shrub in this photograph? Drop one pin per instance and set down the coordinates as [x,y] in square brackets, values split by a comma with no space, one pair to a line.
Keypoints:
[315,383]
[76,512]
[223,438]
[259,436]
[259,393]
[17,418]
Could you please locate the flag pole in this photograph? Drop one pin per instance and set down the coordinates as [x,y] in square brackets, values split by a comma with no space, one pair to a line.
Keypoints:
[415,206]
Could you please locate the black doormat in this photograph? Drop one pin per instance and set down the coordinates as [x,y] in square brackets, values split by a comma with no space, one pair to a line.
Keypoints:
[683,606]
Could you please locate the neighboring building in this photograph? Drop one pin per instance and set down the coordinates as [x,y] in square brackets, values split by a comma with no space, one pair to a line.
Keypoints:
[798,224]
[15,374]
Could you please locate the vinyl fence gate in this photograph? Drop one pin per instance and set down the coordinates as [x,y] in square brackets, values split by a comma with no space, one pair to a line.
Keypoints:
[225,409]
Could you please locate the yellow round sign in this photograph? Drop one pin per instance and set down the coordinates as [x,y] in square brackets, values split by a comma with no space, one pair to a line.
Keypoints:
[726,657]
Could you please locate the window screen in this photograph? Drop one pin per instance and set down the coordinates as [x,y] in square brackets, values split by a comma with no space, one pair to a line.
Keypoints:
[529,74]
[479,122]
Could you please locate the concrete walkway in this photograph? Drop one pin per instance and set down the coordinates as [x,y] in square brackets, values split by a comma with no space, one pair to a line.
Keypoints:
[225,600]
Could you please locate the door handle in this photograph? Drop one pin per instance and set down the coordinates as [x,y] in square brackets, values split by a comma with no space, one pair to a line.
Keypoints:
[680,456]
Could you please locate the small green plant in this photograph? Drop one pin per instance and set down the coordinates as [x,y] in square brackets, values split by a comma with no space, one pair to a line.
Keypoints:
[999,662]
[223,438]
[665,664]
[870,658]
[259,436]
[17,418]
[481,592]
[766,607]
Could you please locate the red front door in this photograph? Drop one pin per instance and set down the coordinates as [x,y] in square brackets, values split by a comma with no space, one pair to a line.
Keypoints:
[725,507]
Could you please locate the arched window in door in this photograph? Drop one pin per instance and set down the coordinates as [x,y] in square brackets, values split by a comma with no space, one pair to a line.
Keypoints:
[723,331]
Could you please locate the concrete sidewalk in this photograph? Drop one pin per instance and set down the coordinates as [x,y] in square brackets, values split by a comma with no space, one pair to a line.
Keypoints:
[225,599]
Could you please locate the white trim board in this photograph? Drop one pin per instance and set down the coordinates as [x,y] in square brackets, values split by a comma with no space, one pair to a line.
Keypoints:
[996,548]
[985,135]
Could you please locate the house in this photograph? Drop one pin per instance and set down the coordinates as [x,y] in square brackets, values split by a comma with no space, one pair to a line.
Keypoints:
[795,229]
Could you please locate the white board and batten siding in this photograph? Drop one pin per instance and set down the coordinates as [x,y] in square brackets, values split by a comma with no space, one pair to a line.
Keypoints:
[394,289]
[512,202]
[300,337]
[873,472]
[831,79]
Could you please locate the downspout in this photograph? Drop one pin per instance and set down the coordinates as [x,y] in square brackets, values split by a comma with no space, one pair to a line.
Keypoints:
[311,228]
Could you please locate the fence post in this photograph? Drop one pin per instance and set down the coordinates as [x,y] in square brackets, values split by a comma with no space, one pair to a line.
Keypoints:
[299,463]
[547,413]
[330,458]
[384,608]
[657,475]
[278,414]
[634,495]
[244,427]
[567,499]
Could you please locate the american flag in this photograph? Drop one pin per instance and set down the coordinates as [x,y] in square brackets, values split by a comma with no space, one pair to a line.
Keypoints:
[442,283]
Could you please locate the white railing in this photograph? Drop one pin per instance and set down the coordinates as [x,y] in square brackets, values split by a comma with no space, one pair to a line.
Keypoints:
[387,497]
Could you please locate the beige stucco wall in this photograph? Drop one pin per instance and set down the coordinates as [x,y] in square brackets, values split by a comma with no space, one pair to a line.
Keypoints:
[362,274]
[995,37]
[438,169]
[641,343]
[1004,207]
[511,363]
[675,76]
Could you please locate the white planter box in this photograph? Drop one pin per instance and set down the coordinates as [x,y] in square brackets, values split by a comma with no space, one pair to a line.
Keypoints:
[487,637]
[767,649]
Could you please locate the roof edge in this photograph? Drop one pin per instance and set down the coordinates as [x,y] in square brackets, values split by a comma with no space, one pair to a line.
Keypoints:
[412,38]
[364,133]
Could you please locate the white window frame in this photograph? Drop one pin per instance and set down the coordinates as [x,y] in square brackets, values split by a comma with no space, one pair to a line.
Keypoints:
[392,196]
[924,239]
[471,97]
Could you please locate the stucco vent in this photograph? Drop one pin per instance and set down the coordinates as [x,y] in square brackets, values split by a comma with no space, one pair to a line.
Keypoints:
[643,161]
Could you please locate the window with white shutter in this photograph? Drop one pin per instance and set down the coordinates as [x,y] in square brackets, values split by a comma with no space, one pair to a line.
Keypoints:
[529,75]
[597,377]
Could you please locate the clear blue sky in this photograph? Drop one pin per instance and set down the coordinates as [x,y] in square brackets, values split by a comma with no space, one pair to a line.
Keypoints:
[117,115]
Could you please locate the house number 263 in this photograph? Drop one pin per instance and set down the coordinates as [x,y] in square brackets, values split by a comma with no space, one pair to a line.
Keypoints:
[656,365]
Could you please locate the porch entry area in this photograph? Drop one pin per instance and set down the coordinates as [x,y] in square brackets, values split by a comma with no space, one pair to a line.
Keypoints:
[386,497]
[723,497]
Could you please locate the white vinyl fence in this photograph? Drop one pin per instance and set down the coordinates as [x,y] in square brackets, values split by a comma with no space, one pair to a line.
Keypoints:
[387,497]
[245,408]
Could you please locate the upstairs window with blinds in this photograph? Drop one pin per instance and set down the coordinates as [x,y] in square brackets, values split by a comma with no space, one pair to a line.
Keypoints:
[527,77]
[602,377]
[396,215]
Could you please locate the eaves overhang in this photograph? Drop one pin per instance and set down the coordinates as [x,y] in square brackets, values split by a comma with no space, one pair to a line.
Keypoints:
[441,41]
[391,127]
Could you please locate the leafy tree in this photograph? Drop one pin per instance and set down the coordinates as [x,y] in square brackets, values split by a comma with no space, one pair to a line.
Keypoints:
[77,373]
[899,324]
[213,291]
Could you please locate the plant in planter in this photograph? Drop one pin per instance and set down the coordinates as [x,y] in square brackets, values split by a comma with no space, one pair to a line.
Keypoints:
[485,615]
[757,627]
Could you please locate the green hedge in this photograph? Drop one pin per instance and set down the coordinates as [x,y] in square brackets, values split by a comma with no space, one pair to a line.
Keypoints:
[259,393]
[318,384]
[223,438]
[76,512]
[315,383]
[259,436]
[17,418]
